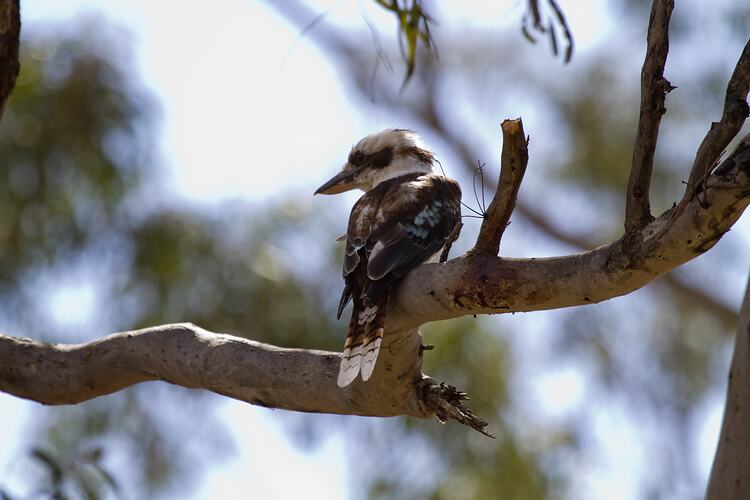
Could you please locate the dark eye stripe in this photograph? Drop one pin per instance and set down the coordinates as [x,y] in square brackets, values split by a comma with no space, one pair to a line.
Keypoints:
[382,158]
[356,157]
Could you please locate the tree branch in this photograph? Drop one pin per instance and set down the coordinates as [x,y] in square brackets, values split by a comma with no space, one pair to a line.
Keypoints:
[304,380]
[260,374]
[514,158]
[654,88]
[452,237]
[480,284]
[730,474]
[353,65]
[672,280]
[10,30]
[721,133]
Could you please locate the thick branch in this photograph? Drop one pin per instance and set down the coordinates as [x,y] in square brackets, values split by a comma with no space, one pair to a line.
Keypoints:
[481,284]
[730,474]
[514,158]
[654,88]
[10,29]
[437,127]
[260,374]
[696,295]
[186,355]
[305,380]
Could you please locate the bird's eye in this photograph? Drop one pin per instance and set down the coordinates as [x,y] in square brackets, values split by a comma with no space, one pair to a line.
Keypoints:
[357,158]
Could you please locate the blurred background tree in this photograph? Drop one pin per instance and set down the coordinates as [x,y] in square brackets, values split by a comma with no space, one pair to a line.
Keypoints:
[82,219]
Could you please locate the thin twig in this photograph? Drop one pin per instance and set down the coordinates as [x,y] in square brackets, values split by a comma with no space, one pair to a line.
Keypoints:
[654,88]
[566,29]
[515,155]
[451,239]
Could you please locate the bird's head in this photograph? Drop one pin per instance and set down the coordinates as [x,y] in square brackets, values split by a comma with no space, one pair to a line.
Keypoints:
[379,157]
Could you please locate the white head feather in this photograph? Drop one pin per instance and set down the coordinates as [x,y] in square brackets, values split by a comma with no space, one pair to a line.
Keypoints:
[409,156]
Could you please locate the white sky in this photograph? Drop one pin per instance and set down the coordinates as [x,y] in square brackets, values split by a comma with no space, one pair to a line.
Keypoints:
[280,99]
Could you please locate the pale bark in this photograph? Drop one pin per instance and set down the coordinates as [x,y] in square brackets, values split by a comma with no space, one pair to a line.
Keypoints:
[730,474]
[654,88]
[186,355]
[257,373]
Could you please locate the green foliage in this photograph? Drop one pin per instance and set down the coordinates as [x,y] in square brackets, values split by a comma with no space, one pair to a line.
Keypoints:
[415,24]
[74,143]
[413,27]
[481,468]
[80,169]
[78,474]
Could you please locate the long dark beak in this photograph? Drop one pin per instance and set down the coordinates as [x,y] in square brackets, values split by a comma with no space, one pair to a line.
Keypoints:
[343,181]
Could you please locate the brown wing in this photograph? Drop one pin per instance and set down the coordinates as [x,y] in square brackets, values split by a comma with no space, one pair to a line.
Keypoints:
[392,229]
[397,226]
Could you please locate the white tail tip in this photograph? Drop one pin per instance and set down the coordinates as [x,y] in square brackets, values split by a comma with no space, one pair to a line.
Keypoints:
[349,369]
[369,359]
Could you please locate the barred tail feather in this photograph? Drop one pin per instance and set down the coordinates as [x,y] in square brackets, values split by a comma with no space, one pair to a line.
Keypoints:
[350,364]
[371,351]
[372,339]
[362,342]
[351,359]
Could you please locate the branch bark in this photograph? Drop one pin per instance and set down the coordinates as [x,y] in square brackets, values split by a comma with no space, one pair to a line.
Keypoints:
[260,374]
[672,281]
[654,88]
[721,133]
[513,162]
[730,474]
[10,30]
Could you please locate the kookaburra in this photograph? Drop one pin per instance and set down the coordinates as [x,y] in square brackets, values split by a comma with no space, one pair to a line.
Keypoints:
[404,218]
